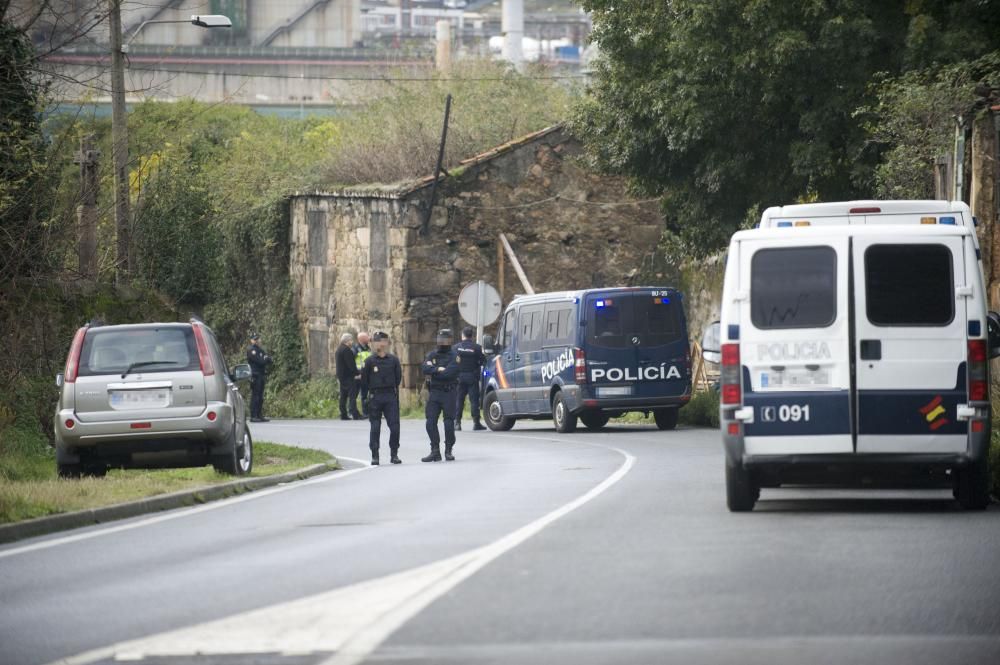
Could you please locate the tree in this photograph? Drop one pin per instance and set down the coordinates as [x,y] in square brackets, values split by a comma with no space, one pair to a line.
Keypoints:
[724,107]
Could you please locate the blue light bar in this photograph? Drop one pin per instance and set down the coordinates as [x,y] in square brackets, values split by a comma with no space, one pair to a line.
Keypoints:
[599,303]
[783,224]
[946,220]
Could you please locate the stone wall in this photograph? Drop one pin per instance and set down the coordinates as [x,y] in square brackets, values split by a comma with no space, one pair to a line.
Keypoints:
[360,259]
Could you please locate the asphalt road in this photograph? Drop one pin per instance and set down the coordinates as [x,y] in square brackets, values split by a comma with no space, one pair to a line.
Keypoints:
[533,547]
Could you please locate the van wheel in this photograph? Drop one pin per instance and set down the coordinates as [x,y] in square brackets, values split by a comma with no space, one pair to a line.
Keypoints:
[666,418]
[239,460]
[741,491]
[493,414]
[564,421]
[594,420]
[972,486]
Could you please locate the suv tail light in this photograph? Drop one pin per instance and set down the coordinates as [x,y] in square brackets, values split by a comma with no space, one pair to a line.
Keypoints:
[580,366]
[731,375]
[204,357]
[979,390]
[73,359]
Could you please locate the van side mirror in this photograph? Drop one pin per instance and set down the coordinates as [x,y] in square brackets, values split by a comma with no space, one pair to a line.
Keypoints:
[241,372]
[488,344]
[993,333]
[59,380]
[711,346]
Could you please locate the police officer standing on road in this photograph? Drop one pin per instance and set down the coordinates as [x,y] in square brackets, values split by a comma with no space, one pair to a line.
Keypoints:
[471,370]
[259,361]
[381,375]
[441,368]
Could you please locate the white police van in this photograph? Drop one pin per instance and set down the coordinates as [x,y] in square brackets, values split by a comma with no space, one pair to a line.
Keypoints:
[589,355]
[855,347]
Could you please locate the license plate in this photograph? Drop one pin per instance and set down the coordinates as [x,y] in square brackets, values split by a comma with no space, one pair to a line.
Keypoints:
[139,399]
[614,391]
[794,378]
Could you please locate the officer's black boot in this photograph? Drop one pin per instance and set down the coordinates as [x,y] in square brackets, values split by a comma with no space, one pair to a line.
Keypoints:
[478,426]
[395,457]
[458,425]
[374,459]
[435,455]
[447,454]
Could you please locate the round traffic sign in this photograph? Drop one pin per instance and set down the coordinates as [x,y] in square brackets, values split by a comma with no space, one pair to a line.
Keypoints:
[479,304]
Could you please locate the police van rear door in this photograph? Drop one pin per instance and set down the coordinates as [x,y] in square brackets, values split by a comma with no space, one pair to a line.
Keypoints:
[636,344]
[794,334]
[911,299]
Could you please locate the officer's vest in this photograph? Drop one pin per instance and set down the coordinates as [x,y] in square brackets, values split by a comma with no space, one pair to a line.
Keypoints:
[362,356]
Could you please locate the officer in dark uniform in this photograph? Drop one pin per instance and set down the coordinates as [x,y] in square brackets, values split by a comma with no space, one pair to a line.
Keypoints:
[259,361]
[381,375]
[471,369]
[441,368]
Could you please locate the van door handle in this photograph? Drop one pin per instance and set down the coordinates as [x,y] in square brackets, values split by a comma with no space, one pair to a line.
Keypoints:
[871,349]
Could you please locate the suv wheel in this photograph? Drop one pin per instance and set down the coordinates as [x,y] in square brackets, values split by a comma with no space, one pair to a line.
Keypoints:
[972,486]
[665,418]
[741,490]
[564,421]
[594,420]
[239,460]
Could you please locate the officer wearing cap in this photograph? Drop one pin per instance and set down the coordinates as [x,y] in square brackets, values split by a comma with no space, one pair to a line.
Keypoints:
[259,361]
[441,367]
[381,375]
[471,364]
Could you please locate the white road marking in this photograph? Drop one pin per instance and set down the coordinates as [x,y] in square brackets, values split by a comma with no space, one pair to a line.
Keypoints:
[350,622]
[184,512]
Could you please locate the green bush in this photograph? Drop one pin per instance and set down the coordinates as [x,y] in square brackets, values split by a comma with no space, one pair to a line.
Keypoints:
[702,410]
[315,398]
[995,459]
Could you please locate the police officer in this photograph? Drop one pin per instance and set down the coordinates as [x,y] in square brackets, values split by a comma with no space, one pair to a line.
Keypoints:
[471,369]
[441,368]
[259,361]
[381,375]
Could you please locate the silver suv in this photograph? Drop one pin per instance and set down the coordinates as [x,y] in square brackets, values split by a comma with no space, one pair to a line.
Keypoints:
[150,395]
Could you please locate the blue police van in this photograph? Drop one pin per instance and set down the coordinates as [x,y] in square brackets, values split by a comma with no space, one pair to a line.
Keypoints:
[589,356]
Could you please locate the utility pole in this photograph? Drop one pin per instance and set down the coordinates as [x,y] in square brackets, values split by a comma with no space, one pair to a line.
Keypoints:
[86,211]
[119,149]
[983,193]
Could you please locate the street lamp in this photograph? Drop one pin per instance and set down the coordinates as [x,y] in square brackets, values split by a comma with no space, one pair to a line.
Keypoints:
[119,128]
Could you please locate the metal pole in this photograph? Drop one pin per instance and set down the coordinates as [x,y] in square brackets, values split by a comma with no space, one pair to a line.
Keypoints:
[500,269]
[119,146]
[481,313]
[517,266]
[86,212]
[437,169]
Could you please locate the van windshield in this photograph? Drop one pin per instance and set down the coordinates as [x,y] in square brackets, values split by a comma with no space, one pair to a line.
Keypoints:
[613,322]
[159,350]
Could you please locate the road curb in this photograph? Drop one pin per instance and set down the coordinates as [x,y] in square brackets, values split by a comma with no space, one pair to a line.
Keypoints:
[41,526]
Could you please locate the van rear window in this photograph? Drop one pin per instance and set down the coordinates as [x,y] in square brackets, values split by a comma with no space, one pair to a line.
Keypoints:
[654,321]
[909,285]
[793,287]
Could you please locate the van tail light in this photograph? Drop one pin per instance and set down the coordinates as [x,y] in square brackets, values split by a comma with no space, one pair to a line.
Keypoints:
[731,375]
[73,359]
[580,366]
[204,357]
[979,390]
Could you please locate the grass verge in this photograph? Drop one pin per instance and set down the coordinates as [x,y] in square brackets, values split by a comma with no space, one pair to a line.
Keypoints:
[45,494]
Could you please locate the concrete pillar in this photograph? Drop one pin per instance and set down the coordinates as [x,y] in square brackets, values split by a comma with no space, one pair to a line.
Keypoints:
[443,59]
[512,27]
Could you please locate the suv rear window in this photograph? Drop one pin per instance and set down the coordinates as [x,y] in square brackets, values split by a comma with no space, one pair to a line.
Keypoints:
[793,287]
[615,320]
[909,285]
[112,351]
